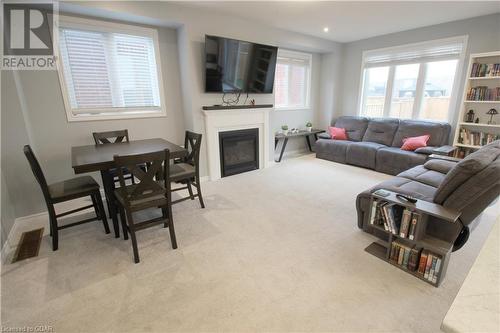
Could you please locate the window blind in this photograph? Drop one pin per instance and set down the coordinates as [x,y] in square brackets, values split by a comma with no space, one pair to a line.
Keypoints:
[418,52]
[109,71]
[292,79]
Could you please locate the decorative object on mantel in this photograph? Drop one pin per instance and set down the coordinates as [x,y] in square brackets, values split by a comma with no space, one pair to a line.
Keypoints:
[230,107]
[491,112]
[309,126]
[470,116]
[252,102]
[477,120]
[284,128]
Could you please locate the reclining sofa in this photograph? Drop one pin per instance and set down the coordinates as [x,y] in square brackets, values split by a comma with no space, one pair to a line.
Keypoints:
[467,186]
[375,143]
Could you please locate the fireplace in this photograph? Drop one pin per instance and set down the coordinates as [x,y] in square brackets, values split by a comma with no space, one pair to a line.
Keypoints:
[239,151]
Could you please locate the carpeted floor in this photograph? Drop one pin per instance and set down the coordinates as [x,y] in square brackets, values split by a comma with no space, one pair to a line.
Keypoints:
[275,250]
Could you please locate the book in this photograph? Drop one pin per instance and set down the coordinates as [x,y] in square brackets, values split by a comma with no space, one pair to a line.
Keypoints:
[413,260]
[415,217]
[422,262]
[405,223]
[394,250]
[433,268]
[401,255]
[374,211]
[406,256]
[428,265]
[436,270]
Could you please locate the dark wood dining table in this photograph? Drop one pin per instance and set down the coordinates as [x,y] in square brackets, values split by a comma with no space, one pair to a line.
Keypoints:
[93,158]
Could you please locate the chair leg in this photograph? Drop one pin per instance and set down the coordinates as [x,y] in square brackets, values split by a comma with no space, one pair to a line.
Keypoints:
[132,236]
[190,189]
[164,214]
[123,219]
[96,208]
[198,189]
[171,227]
[99,207]
[53,227]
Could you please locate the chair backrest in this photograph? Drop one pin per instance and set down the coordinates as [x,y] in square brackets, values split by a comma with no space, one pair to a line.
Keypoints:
[101,138]
[37,170]
[192,142]
[146,185]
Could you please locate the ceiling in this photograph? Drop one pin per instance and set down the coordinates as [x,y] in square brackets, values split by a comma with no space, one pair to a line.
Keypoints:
[349,21]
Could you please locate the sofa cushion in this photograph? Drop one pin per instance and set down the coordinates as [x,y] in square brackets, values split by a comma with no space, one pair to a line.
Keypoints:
[428,150]
[422,174]
[466,169]
[407,186]
[363,153]
[381,130]
[393,160]
[438,131]
[332,150]
[354,126]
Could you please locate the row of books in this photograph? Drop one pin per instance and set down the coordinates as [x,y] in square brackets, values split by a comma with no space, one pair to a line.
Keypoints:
[420,261]
[395,218]
[483,93]
[484,70]
[468,137]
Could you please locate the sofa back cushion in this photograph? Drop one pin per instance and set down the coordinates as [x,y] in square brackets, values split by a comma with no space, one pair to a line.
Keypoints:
[381,130]
[355,127]
[439,132]
[473,172]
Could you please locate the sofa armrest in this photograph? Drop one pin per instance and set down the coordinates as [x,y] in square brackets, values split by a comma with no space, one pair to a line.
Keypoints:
[324,135]
[439,165]
[444,158]
[444,150]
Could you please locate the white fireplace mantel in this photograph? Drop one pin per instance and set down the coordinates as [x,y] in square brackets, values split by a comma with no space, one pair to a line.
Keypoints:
[234,119]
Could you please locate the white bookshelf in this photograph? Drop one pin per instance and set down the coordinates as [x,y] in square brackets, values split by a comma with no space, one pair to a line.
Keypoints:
[480,107]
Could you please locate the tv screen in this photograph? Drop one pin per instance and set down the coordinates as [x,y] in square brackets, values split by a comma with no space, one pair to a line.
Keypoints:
[237,66]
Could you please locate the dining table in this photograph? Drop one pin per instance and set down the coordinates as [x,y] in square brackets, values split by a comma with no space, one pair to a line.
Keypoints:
[93,158]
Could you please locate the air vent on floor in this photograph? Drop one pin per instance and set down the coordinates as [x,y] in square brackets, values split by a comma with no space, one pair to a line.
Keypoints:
[29,245]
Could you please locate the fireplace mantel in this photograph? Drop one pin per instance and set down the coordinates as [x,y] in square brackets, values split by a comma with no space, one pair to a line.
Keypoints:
[222,120]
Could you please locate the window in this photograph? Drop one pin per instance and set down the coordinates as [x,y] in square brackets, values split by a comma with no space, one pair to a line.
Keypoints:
[109,70]
[416,81]
[292,80]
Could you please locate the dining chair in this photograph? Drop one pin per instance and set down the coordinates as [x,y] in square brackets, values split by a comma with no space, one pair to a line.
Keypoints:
[152,190]
[187,169]
[74,188]
[101,138]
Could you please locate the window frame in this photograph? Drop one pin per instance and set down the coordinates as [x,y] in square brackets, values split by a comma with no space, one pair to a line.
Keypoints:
[118,112]
[421,79]
[298,55]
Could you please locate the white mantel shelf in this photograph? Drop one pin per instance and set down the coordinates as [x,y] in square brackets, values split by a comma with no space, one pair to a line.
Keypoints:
[222,120]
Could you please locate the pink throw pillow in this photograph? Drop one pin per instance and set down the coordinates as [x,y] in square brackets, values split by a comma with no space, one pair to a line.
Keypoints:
[415,142]
[337,133]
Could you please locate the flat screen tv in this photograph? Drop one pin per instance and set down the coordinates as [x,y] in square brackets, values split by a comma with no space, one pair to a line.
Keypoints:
[237,66]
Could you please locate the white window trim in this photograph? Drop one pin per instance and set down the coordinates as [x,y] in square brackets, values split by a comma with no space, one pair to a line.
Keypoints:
[416,106]
[107,113]
[308,57]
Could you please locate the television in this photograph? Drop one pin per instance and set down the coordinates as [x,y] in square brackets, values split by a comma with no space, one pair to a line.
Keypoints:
[236,66]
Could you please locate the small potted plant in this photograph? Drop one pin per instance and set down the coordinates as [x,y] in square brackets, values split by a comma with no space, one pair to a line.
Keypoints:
[309,126]
[284,129]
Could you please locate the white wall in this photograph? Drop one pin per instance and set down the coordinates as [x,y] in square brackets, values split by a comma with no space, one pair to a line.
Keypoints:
[484,36]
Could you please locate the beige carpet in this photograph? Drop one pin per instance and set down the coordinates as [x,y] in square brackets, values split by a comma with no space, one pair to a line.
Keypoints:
[275,250]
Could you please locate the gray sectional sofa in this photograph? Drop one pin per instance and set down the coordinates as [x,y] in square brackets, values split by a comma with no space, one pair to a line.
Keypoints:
[467,186]
[375,143]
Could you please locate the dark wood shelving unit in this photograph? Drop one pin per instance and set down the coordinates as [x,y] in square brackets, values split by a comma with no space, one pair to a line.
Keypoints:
[429,236]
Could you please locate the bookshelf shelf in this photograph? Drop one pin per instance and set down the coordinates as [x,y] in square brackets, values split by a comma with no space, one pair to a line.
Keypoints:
[482,82]
[484,78]
[479,125]
[427,253]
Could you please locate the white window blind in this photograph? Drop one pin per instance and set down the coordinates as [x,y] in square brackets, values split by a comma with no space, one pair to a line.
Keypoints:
[292,79]
[418,52]
[108,72]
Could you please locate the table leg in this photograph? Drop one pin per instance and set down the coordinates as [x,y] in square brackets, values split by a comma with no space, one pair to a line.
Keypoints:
[285,141]
[109,187]
[308,143]
[275,143]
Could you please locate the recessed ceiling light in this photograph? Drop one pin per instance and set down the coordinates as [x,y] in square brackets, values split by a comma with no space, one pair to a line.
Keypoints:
[325,29]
